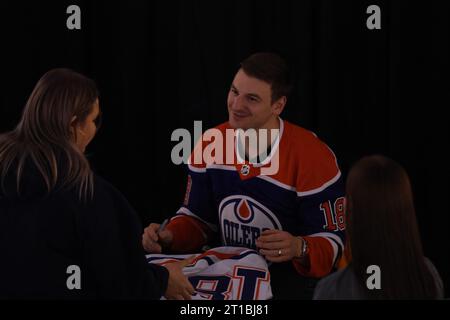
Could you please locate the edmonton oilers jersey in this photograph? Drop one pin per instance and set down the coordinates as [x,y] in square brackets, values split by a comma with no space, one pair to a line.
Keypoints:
[224,273]
[303,195]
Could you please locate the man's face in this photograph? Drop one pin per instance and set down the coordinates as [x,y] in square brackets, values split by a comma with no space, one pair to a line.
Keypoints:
[250,103]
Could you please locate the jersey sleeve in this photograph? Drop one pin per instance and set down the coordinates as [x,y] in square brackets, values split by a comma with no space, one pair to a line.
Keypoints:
[321,206]
[323,228]
[196,220]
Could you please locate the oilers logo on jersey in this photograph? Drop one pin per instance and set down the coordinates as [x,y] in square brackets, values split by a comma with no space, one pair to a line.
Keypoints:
[243,219]
[238,201]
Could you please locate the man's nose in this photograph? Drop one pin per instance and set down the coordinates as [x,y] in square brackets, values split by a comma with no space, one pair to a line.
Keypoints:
[237,103]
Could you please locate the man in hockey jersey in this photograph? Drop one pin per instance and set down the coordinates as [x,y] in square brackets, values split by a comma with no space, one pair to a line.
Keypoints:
[293,216]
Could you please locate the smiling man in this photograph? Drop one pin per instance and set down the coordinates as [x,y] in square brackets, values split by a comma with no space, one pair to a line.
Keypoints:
[293,217]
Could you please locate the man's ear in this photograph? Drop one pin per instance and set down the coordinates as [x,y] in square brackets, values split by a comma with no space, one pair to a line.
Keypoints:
[278,106]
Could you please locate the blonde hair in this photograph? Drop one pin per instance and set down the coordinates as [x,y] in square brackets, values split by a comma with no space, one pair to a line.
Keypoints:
[44,135]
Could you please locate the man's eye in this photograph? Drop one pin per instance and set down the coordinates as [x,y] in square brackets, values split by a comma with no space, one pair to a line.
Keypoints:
[252,99]
[234,91]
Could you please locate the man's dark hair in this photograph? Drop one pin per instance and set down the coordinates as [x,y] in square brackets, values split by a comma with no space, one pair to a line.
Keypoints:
[271,68]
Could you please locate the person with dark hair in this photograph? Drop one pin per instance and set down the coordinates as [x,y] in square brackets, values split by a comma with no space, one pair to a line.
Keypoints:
[65,233]
[284,200]
[382,231]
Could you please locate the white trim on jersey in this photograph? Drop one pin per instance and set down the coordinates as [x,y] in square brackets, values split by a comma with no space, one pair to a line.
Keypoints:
[272,152]
[197,170]
[211,166]
[328,236]
[187,212]
[321,188]
[221,167]
[277,183]
[304,193]
[335,159]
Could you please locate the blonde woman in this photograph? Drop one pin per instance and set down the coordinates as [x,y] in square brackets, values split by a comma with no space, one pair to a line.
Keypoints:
[57,217]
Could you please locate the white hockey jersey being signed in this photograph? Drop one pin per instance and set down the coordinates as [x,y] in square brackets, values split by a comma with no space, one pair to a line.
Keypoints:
[224,273]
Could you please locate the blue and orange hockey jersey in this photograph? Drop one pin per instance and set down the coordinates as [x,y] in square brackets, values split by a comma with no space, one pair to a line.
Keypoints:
[305,197]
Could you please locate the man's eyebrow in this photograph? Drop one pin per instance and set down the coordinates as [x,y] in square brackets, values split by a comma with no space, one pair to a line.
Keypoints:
[254,95]
[251,95]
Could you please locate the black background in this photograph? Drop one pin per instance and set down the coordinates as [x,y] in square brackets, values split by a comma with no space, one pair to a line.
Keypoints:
[160,65]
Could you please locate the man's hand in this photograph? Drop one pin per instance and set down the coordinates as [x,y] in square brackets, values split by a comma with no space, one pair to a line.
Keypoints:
[279,246]
[154,240]
[179,287]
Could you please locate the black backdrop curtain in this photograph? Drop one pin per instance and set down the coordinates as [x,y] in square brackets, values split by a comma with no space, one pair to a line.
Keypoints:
[160,65]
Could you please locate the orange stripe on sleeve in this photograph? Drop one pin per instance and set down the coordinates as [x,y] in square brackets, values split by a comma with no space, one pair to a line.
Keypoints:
[320,258]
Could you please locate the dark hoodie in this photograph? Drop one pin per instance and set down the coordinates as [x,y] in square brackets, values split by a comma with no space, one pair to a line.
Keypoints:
[42,234]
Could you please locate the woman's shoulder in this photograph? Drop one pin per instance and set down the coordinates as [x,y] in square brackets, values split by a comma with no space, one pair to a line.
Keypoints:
[339,285]
[326,288]
[103,185]
[437,278]
[104,195]
[105,189]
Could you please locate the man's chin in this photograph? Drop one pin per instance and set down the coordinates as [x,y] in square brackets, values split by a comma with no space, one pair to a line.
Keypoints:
[237,124]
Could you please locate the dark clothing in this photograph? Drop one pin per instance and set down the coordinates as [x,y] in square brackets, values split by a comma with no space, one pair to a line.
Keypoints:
[41,235]
[344,285]
[287,284]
